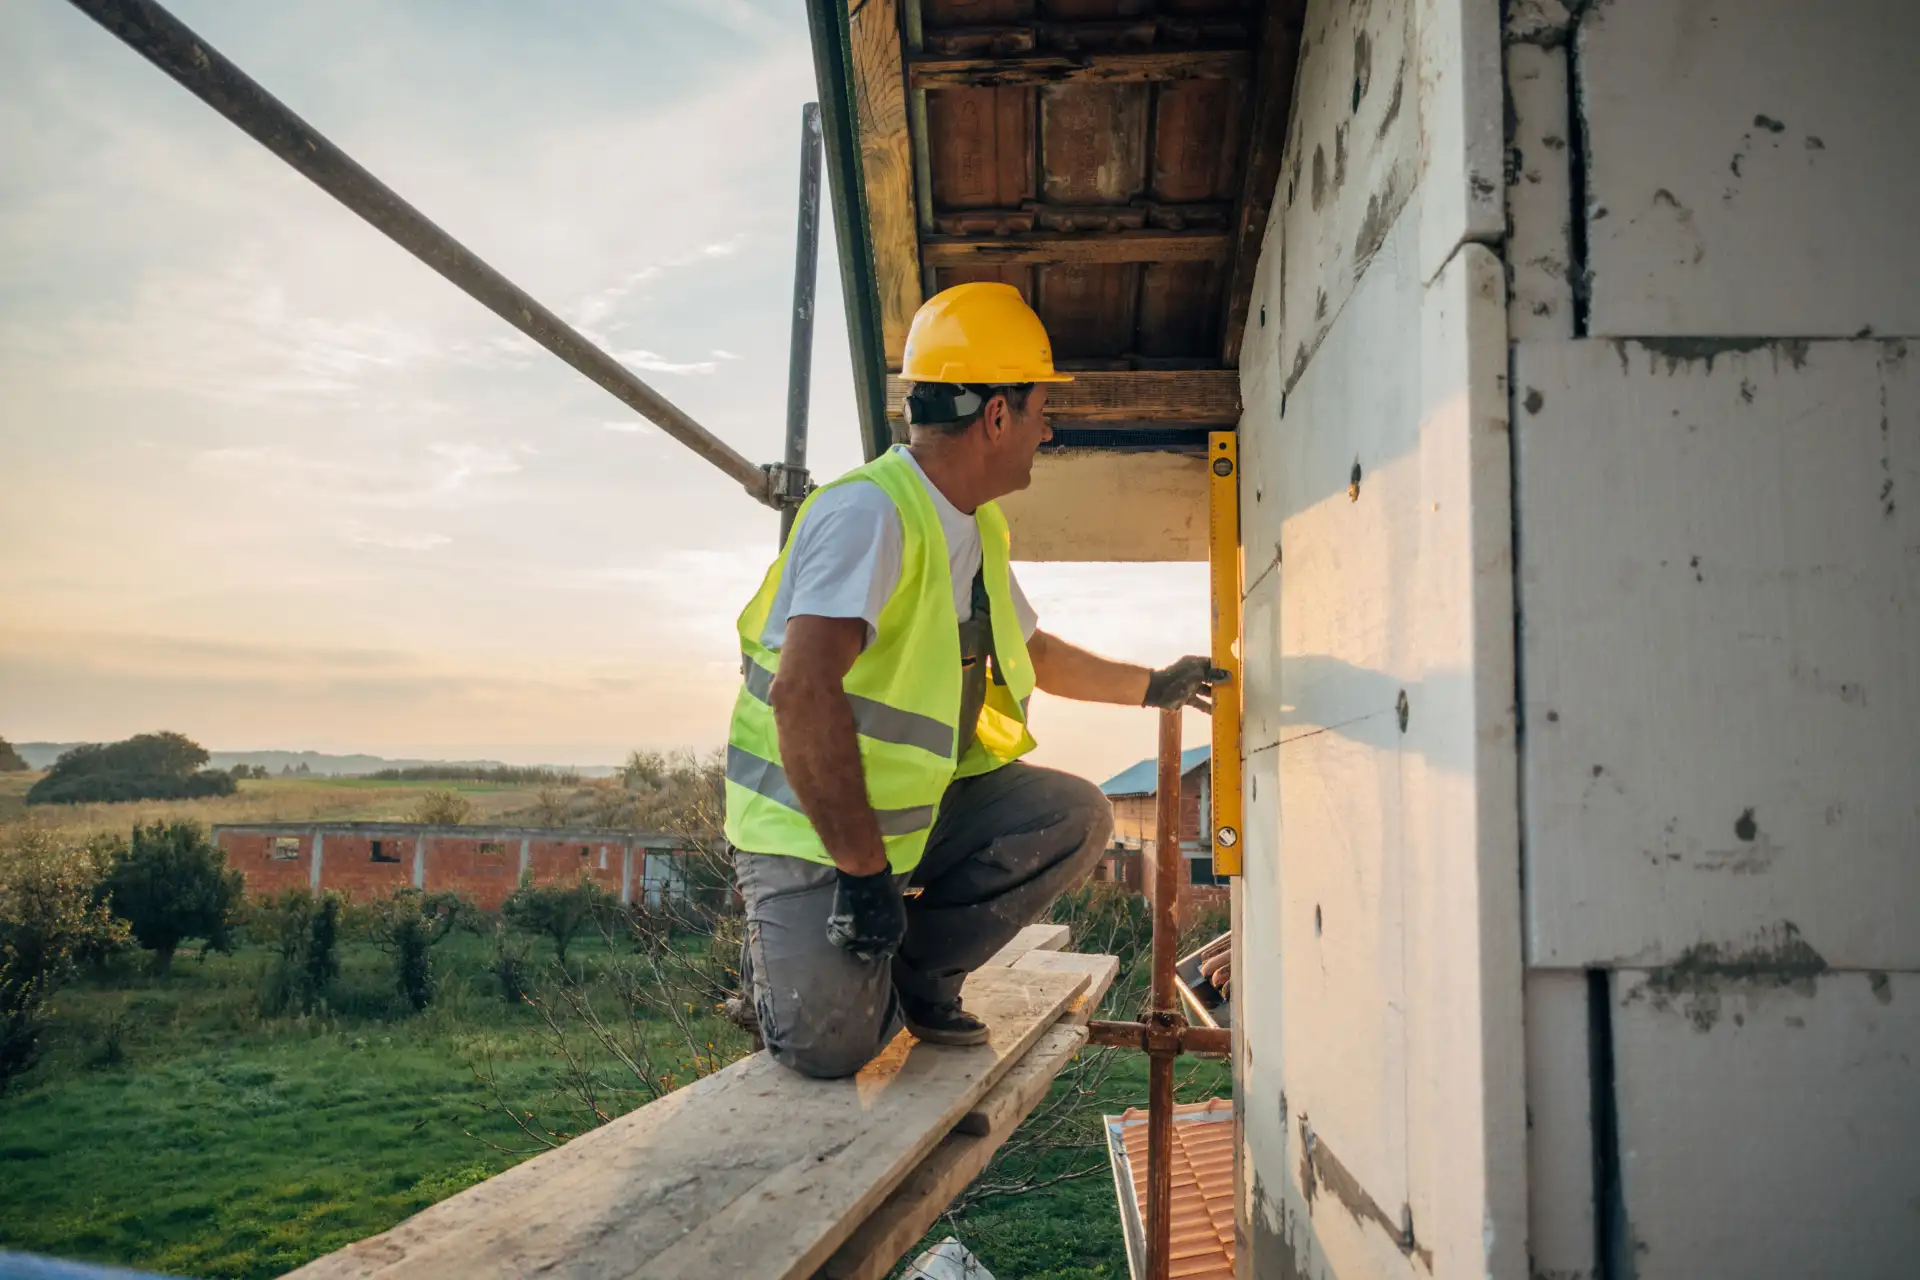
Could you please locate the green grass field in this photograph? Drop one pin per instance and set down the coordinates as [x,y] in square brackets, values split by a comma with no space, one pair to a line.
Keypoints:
[173,1127]
[267,800]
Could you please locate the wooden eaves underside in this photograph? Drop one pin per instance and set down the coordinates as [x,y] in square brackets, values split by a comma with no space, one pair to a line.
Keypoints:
[1115,161]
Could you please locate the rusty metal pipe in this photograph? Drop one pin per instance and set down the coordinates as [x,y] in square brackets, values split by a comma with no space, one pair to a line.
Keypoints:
[1205,1042]
[1162,1012]
[166,42]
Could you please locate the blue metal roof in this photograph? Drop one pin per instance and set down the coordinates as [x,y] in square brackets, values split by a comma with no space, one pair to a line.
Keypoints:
[1143,779]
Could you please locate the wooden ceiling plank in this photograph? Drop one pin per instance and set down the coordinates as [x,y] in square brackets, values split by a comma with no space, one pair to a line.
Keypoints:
[886,154]
[1196,396]
[1103,68]
[1266,144]
[1113,246]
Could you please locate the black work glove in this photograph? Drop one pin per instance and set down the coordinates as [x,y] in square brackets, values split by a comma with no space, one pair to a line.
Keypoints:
[1187,683]
[869,917]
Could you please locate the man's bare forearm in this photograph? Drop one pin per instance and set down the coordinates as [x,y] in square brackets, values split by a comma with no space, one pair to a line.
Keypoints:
[819,747]
[821,753]
[1068,671]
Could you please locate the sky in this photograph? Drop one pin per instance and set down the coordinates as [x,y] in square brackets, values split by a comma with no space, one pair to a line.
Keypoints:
[267,480]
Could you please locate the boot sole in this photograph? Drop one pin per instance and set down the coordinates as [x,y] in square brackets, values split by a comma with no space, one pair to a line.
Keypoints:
[955,1039]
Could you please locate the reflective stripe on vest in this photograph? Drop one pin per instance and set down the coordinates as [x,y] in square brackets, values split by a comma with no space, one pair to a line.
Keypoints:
[764,777]
[904,689]
[872,719]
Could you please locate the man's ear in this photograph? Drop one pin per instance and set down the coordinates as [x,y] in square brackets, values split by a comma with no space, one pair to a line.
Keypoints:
[998,416]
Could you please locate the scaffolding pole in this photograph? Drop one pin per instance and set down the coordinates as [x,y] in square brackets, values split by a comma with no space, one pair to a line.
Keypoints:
[792,481]
[170,45]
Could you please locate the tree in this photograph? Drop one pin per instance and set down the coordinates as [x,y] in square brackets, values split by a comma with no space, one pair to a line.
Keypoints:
[560,912]
[148,766]
[443,808]
[10,760]
[170,884]
[643,771]
[407,926]
[305,932]
[50,922]
[552,807]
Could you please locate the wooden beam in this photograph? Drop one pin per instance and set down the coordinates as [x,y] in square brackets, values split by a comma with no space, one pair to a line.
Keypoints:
[754,1171]
[1079,247]
[1266,146]
[1100,970]
[1200,396]
[1099,68]
[873,1250]
[886,158]
[1035,937]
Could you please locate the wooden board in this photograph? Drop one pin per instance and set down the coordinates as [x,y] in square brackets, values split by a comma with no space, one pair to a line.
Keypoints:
[1100,505]
[1112,246]
[914,1205]
[1100,972]
[754,1171]
[1201,396]
[886,159]
[1722,699]
[1102,68]
[1035,937]
[875,1248]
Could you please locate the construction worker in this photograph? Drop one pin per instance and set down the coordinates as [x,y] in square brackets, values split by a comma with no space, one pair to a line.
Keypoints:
[875,747]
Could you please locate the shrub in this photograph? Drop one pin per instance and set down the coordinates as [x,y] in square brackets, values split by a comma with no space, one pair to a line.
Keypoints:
[560,912]
[51,921]
[443,808]
[172,884]
[304,933]
[10,760]
[407,926]
[148,766]
[511,965]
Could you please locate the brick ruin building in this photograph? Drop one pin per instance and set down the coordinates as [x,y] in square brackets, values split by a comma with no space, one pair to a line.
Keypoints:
[483,864]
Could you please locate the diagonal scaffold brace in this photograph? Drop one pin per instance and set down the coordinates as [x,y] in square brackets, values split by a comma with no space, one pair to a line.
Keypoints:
[166,42]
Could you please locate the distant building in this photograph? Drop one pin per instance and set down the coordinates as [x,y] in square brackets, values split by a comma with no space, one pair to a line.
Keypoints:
[1133,793]
[484,864]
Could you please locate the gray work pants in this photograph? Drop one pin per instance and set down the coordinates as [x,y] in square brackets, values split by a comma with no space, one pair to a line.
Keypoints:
[1004,846]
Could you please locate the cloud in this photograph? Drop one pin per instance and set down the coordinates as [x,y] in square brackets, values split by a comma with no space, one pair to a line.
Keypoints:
[597,306]
[341,497]
[649,362]
[631,426]
[395,539]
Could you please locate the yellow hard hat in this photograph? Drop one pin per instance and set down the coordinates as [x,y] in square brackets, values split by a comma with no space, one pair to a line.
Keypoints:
[982,332]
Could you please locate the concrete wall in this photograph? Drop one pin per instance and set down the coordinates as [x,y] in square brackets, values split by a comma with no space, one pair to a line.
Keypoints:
[1713,218]
[1583,554]
[1381,1059]
[483,864]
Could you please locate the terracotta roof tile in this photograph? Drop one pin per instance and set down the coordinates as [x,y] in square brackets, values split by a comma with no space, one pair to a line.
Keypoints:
[1202,1184]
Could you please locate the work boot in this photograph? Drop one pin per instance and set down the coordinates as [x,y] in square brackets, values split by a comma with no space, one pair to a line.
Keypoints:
[740,1012]
[934,1023]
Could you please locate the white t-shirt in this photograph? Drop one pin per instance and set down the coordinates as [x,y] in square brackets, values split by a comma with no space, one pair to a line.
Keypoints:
[845,559]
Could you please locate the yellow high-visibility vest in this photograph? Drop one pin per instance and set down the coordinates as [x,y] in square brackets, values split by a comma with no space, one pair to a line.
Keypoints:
[905,688]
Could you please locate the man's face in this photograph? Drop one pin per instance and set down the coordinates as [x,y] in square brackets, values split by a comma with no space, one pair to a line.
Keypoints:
[1014,436]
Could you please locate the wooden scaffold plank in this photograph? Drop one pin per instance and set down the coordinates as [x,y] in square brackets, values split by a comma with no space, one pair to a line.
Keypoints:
[753,1171]
[872,1251]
